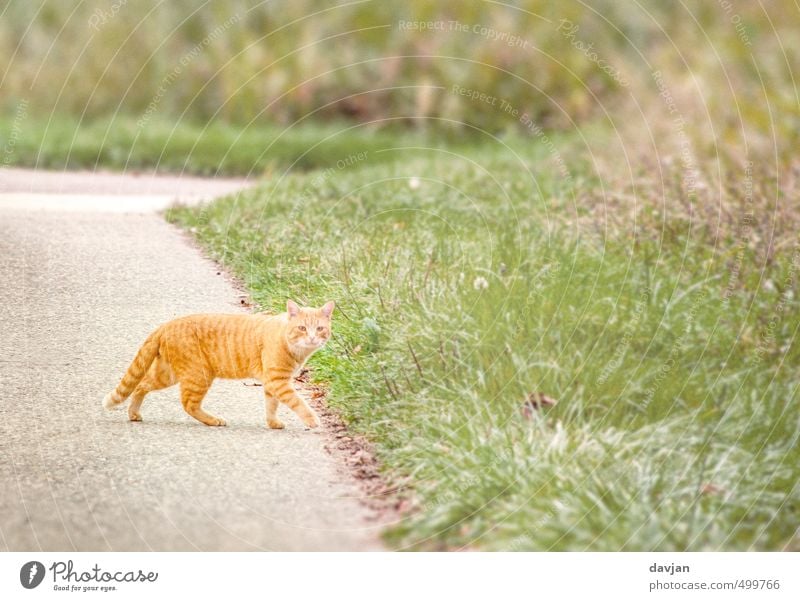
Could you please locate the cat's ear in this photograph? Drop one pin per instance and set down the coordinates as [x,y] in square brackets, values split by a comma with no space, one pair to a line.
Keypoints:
[327,309]
[292,308]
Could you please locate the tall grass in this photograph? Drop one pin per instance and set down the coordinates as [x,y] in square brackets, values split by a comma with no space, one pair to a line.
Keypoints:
[237,61]
[460,295]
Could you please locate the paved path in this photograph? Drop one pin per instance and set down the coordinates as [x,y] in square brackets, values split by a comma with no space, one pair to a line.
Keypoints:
[79,292]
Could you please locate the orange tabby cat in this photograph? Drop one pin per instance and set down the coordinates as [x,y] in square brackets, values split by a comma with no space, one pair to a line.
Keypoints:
[196,349]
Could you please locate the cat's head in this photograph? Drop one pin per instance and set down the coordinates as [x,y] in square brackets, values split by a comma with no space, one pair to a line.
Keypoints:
[309,328]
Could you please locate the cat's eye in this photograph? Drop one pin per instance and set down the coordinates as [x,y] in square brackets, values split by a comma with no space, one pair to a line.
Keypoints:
[320,328]
[301,328]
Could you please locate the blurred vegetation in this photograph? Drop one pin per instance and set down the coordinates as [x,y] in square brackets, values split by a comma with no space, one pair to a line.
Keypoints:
[198,148]
[239,61]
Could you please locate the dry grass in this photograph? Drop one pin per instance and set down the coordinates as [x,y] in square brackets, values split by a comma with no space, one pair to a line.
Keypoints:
[559,63]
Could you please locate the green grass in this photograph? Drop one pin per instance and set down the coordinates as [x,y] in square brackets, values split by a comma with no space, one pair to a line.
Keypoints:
[216,148]
[464,290]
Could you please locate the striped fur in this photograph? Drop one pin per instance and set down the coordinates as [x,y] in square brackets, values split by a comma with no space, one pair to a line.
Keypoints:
[137,370]
[192,351]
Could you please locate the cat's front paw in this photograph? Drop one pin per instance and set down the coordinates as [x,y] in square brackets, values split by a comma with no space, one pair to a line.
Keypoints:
[134,416]
[276,424]
[219,422]
[312,421]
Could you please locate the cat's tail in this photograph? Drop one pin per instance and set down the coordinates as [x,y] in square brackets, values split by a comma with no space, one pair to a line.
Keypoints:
[137,370]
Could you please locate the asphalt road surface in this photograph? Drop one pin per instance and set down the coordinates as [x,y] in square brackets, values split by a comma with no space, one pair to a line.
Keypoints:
[83,279]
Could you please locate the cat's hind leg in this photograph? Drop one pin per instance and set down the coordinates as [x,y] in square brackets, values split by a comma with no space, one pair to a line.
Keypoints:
[136,403]
[159,376]
[192,394]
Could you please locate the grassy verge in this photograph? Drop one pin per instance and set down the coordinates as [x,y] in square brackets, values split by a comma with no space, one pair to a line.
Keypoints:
[463,288]
[123,143]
